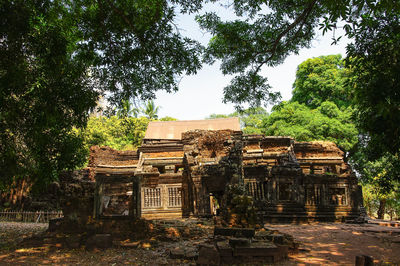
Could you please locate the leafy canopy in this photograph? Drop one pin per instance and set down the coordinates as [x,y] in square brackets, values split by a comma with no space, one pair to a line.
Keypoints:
[375,66]
[266,32]
[118,133]
[327,122]
[57,57]
[322,79]
[44,91]
[250,119]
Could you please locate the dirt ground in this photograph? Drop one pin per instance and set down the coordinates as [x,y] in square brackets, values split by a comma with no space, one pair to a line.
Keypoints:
[339,244]
[321,244]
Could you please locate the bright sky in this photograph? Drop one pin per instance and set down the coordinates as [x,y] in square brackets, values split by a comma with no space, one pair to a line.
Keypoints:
[201,95]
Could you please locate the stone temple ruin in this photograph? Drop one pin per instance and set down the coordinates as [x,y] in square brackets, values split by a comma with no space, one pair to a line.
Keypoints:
[184,169]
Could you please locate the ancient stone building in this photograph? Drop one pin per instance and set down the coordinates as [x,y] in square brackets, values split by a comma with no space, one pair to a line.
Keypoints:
[183,168]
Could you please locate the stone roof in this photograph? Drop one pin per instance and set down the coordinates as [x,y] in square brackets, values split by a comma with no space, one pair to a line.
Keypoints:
[174,129]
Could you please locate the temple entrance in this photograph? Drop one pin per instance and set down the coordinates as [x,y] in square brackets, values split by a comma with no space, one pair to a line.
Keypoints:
[214,205]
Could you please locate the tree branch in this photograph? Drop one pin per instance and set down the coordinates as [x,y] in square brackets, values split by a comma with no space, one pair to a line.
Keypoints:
[300,20]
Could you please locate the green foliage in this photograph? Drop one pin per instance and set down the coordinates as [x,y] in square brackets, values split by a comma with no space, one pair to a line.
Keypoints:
[373,198]
[250,119]
[150,110]
[265,33]
[167,118]
[133,46]
[322,79]
[375,66]
[57,57]
[240,210]
[127,109]
[118,133]
[327,122]
[215,116]
[45,91]
[381,173]
[381,185]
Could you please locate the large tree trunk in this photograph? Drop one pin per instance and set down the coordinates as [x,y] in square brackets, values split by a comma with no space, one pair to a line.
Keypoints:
[368,206]
[17,192]
[381,210]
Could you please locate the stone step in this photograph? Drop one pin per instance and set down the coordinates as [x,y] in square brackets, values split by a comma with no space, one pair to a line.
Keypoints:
[236,232]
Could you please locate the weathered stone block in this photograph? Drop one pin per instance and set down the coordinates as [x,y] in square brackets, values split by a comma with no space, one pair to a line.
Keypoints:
[262,251]
[239,242]
[225,250]
[208,255]
[236,232]
[278,239]
[177,253]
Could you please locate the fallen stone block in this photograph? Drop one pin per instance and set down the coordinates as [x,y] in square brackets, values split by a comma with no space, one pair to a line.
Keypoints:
[239,242]
[236,232]
[208,255]
[177,253]
[261,251]
[191,254]
[126,244]
[263,234]
[224,248]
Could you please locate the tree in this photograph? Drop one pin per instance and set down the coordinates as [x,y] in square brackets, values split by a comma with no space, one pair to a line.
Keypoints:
[44,92]
[150,110]
[56,57]
[375,66]
[127,109]
[266,32]
[216,116]
[380,182]
[134,47]
[168,118]
[320,107]
[124,133]
[322,79]
[327,122]
[250,119]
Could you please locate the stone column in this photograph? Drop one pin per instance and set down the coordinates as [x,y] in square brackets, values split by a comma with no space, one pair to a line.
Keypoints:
[136,202]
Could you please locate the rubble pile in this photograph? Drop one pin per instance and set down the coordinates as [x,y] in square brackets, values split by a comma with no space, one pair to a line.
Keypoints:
[106,156]
[245,245]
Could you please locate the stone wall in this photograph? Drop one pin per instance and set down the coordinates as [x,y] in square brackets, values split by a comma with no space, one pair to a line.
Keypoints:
[163,192]
[321,157]
[213,160]
[77,194]
[273,177]
[286,180]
